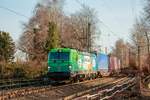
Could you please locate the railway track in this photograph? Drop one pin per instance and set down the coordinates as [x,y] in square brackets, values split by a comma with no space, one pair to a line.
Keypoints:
[52,91]
[107,91]
[66,92]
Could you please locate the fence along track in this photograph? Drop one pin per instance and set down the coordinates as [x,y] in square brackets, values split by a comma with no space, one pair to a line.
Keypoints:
[12,84]
[19,92]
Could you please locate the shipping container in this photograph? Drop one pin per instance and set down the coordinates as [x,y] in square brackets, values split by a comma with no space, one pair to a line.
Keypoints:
[86,62]
[114,64]
[102,62]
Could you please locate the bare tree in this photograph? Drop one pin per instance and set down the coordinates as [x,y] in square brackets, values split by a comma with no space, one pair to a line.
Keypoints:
[75,31]
[85,26]
[140,37]
[122,52]
[32,40]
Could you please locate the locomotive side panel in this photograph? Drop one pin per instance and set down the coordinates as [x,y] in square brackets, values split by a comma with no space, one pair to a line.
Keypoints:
[94,65]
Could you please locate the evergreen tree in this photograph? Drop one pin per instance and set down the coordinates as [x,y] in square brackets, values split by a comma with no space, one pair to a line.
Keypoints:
[7,47]
[53,39]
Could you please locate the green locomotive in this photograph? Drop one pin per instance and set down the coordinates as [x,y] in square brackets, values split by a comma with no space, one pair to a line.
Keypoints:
[70,64]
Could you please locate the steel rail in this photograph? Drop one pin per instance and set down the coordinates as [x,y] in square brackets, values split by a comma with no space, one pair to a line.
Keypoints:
[123,87]
[19,92]
[82,93]
[103,94]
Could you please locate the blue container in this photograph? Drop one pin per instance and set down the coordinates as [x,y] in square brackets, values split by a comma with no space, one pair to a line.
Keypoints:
[102,62]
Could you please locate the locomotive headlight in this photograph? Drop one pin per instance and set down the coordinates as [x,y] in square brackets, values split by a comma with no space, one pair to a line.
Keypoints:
[70,67]
[49,67]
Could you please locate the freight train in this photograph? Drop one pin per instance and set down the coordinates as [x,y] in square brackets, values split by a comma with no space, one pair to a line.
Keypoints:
[73,65]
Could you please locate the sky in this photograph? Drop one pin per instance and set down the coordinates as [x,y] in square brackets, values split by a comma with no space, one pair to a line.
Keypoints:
[116,17]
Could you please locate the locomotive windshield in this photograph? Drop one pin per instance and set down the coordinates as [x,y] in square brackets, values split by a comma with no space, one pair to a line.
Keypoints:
[59,56]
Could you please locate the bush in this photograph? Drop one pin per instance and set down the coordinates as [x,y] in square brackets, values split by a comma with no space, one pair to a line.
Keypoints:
[6,70]
[35,69]
[21,70]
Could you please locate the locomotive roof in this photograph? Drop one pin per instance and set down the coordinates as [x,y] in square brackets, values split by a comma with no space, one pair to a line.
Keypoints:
[62,50]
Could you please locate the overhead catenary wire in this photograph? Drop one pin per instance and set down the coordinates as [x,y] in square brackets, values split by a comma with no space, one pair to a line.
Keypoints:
[107,6]
[114,34]
[129,39]
[102,22]
[22,15]
[13,11]
[133,12]
[133,9]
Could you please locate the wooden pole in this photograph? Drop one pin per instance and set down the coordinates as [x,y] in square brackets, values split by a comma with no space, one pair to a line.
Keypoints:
[88,37]
[139,59]
[148,44]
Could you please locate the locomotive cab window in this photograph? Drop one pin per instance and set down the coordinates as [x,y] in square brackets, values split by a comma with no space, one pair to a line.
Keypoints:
[59,55]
